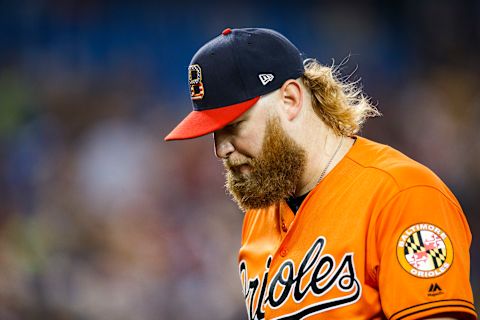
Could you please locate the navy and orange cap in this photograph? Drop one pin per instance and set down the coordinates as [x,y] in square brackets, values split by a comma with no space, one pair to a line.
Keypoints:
[230,73]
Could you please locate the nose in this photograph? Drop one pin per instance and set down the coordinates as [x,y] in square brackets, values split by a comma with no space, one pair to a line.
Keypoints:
[223,145]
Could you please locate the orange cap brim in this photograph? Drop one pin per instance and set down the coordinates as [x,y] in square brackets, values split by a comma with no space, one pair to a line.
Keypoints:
[199,123]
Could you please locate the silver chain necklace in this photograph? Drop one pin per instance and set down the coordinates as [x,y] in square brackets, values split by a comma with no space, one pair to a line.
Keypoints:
[330,161]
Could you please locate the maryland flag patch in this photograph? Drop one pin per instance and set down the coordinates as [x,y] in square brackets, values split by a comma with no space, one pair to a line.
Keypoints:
[425,251]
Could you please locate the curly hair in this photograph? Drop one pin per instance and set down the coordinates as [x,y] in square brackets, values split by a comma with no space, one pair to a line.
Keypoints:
[340,104]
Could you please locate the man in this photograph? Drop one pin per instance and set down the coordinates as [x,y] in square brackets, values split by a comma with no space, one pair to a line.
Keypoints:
[336,226]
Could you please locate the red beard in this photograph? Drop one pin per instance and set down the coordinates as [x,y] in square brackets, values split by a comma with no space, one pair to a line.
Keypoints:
[274,174]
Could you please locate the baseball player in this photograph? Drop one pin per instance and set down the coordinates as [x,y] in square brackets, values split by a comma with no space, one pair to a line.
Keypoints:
[336,226]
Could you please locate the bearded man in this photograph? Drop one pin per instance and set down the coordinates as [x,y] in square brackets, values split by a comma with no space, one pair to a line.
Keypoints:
[336,226]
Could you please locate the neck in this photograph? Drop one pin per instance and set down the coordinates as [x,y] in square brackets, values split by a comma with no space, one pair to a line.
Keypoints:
[323,155]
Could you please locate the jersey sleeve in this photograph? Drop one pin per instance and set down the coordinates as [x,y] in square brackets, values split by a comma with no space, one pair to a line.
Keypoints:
[422,242]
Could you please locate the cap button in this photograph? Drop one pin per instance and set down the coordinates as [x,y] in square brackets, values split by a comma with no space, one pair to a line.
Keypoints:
[226,31]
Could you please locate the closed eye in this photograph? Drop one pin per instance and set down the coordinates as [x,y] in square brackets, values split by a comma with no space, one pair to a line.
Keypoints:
[234,125]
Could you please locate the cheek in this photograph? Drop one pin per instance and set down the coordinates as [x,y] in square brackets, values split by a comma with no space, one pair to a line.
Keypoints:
[249,145]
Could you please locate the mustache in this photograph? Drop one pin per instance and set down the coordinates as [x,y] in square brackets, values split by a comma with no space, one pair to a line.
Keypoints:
[232,163]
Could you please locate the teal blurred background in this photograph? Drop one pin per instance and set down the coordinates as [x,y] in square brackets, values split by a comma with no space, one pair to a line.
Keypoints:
[101,219]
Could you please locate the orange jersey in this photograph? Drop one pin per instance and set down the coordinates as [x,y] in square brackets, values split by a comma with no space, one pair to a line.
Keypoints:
[380,237]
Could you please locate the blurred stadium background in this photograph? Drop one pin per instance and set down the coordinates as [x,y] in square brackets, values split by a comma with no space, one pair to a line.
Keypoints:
[100,219]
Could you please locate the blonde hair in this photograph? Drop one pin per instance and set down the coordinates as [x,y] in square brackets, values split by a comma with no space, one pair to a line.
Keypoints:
[340,104]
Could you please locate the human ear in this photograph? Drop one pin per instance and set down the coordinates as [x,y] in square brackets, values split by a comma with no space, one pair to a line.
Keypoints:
[292,96]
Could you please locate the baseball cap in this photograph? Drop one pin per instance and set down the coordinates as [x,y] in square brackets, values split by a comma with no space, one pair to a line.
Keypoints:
[230,73]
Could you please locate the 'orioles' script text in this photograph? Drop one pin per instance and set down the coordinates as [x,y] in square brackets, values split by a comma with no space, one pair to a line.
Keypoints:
[321,275]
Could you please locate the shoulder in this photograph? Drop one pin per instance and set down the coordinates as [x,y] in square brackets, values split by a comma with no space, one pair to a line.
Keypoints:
[382,161]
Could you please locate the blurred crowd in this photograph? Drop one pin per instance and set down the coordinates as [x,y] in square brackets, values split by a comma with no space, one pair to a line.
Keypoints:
[101,219]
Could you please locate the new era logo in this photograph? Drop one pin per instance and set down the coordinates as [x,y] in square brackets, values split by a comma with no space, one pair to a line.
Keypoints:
[265,78]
